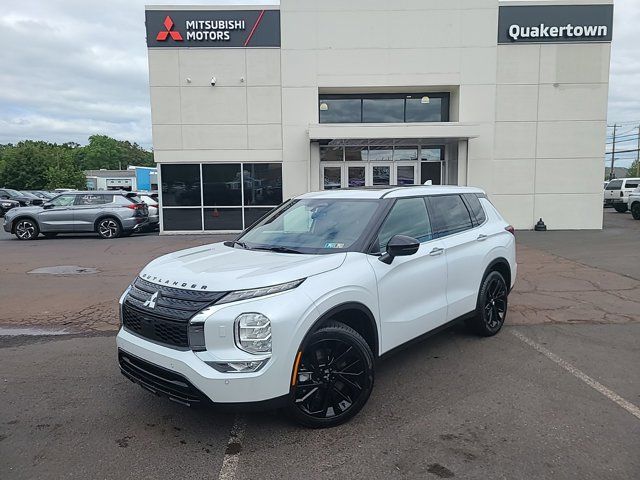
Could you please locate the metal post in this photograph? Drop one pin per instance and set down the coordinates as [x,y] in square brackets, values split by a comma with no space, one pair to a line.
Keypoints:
[638,155]
[613,153]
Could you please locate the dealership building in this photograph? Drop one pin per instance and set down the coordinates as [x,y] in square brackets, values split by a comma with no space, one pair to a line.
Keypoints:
[252,105]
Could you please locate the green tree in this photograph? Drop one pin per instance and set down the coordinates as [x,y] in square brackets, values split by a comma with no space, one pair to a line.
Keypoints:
[64,173]
[25,165]
[634,169]
[106,152]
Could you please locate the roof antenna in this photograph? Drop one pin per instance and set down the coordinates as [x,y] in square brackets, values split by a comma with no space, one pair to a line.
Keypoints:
[428,182]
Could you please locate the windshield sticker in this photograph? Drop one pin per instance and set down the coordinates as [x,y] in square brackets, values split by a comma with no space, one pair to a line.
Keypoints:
[333,245]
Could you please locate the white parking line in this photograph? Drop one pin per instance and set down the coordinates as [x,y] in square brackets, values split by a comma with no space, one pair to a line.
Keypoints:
[610,394]
[232,453]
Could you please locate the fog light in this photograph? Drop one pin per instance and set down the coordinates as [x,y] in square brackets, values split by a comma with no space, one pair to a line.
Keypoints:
[196,337]
[253,333]
[238,367]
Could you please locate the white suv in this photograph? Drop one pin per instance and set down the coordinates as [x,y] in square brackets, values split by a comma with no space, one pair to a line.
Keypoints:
[617,192]
[298,309]
[634,203]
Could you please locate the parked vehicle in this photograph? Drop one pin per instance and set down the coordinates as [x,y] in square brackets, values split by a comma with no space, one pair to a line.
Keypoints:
[9,194]
[6,205]
[634,203]
[298,309]
[110,214]
[151,199]
[42,194]
[34,199]
[616,193]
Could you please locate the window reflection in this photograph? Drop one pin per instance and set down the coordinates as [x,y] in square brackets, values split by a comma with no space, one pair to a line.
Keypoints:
[262,183]
[383,110]
[344,110]
[222,184]
[424,109]
[181,185]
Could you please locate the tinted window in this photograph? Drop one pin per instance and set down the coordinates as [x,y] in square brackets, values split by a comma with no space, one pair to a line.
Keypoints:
[633,184]
[431,171]
[383,110]
[407,217]
[356,154]
[252,215]
[221,184]
[331,154]
[262,184]
[476,209]
[223,219]
[182,218]
[181,184]
[63,200]
[343,110]
[92,199]
[448,214]
[122,200]
[425,109]
[614,185]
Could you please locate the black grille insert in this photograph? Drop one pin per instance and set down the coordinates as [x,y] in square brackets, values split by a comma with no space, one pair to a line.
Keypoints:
[159,380]
[161,313]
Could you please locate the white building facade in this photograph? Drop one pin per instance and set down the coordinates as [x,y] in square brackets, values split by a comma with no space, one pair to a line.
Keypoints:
[252,105]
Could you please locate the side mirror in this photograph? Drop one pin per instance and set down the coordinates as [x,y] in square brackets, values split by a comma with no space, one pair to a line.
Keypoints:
[399,246]
[47,205]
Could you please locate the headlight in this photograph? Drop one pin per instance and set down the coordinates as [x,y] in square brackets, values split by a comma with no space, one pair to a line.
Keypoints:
[258,292]
[253,333]
[5,205]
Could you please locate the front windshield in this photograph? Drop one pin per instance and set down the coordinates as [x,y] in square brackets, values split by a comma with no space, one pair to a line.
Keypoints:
[313,226]
[13,193]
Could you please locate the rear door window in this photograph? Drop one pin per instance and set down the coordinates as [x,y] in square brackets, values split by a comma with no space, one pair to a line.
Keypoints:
[632,184]
[448,214]
[407,217]
[91,199]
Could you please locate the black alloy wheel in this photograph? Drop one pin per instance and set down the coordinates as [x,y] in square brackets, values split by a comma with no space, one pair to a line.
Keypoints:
[491,309]
[334,377]
[26,229]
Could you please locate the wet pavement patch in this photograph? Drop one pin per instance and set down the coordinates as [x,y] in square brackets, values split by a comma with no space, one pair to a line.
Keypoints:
[65,270]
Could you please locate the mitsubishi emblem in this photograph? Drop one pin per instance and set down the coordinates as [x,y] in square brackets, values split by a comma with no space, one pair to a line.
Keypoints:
[151,303]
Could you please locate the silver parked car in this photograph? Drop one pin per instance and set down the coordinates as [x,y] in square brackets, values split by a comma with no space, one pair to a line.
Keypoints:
[110,214]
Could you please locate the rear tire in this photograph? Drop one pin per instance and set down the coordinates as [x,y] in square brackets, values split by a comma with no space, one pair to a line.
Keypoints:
[108,227]
[621,207]
[491,308]
[635,211]
[26,229]
[334,377]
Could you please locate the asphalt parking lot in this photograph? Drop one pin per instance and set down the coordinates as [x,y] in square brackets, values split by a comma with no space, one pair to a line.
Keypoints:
[554,395]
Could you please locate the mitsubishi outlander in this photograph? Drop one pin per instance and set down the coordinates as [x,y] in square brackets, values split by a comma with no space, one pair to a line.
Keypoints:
[297,310]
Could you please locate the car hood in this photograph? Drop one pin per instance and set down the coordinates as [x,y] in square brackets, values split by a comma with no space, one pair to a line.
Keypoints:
[217,268]
[20,210]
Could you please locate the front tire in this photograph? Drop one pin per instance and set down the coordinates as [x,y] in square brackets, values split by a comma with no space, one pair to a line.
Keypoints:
[635,211]
[26,229]
[621,207]
[491,308]
[109,228]
[334,377]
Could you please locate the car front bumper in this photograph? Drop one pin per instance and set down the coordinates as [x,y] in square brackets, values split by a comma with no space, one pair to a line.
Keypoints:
[7,225]
[288,312]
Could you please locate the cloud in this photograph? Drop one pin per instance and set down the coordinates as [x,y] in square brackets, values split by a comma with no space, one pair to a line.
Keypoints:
[71,68]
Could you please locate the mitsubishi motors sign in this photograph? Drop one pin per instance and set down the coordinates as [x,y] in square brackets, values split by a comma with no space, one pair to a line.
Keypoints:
[213,28]
[555,23]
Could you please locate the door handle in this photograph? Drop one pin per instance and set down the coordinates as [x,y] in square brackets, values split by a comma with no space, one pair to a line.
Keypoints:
[482,237]
[436,251]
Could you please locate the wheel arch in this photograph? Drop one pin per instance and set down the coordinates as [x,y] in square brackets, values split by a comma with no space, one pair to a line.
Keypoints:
[102,217]
[15,221]
[354,314]
[500,265]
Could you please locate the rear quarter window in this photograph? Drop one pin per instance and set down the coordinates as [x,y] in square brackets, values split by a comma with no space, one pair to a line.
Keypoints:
[477,212]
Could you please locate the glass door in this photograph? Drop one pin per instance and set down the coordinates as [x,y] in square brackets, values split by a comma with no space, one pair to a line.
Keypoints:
[406,173]
[356,175]
[380,174]
[332,176]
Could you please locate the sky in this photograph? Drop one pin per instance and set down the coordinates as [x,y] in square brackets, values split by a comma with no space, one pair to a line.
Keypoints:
[74,68]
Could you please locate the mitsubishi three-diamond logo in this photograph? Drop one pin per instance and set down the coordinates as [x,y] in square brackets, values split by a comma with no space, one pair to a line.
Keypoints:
[151,303]
[164,34]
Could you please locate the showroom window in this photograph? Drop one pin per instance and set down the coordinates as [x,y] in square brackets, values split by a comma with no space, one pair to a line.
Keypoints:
[384,108]
[218,196]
